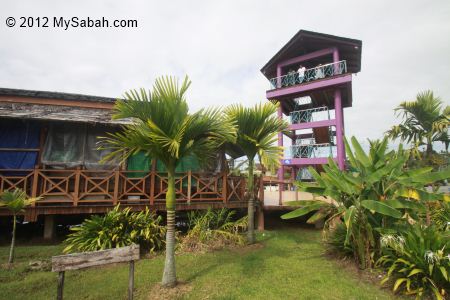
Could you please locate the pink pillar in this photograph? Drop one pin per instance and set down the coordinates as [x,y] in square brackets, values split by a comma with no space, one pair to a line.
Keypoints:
[335,59]
[335,55]
[280,142]
[339,128]
[281,169]
[278,77]
[339,120]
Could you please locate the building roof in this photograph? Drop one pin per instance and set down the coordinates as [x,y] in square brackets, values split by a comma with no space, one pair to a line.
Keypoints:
[46,112]
[56,106]
[54,95]
[304,42]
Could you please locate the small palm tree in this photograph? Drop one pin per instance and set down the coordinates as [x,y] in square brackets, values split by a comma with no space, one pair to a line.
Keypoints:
[425,121]
[257,129]
[15,201]
[164,129]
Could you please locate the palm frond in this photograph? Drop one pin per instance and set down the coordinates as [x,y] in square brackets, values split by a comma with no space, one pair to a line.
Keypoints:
[163,128]
[258,127]
[425,120]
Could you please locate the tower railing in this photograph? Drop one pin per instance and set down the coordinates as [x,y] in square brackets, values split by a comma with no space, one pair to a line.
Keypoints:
[311,151]
[309,115]
[319,72]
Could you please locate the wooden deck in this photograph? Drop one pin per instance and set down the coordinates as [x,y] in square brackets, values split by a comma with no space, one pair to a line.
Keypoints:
[96,191]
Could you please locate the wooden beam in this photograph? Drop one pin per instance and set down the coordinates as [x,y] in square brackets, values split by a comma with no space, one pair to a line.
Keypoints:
[61,102]
[85,260]
[20,149]
[306,57]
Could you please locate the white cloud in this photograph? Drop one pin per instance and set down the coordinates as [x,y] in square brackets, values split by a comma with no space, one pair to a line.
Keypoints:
[222,45]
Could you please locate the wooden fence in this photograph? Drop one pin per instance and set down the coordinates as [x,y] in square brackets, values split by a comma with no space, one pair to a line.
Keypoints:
[74,188]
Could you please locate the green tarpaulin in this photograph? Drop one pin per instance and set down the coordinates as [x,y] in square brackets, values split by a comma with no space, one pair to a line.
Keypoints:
[142,162]
[138,162]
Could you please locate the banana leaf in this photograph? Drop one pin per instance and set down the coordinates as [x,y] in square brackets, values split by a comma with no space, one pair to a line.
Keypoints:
[381,208]
[303,210]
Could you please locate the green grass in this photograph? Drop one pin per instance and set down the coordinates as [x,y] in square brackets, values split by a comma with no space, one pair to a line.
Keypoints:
[289,265]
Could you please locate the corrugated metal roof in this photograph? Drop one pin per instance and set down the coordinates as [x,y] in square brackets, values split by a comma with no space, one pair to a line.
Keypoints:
[54,95]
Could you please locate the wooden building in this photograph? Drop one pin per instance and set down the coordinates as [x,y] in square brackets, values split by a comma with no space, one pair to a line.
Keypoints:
[48,148]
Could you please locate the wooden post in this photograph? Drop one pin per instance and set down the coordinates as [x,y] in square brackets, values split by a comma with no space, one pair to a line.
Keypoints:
[34,189]
[189,175]
[224,188]
[76,191]
[116,187]
[152,187]
[49,227]
[131,281]
[280,193]
[59,295]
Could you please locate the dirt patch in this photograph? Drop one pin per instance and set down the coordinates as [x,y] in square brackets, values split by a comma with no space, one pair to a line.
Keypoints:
[247,248]
[373,276]
[159,292]
[6,266]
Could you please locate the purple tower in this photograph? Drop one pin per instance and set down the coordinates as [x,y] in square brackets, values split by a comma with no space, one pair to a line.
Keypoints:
[311,78]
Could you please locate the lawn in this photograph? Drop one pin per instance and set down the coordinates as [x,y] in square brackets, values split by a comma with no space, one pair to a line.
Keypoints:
[286,264]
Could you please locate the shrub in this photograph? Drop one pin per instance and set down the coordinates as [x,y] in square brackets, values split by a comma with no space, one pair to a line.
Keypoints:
[117,228]
[440,215]
[213,229]
[418,260]
[335,241]
[376,194]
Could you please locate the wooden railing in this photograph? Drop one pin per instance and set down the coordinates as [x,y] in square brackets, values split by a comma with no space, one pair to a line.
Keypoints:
[106,187]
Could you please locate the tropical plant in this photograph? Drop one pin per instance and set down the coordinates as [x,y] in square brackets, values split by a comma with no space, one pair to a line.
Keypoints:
[164,129]
[375,194]
[440,215]
[117,228]
[213,229]
[418,259]
[257,129]
[335,241]
[15,201]
[438,161]
[425,121]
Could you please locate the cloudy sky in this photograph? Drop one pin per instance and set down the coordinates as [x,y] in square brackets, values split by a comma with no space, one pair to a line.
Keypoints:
[222,45]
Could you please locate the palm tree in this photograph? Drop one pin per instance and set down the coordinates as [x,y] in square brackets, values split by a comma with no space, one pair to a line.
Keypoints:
[425,121]
[15,201]
[164,129]
[257,129]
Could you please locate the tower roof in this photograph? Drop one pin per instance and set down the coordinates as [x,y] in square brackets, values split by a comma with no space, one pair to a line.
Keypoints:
[308,41]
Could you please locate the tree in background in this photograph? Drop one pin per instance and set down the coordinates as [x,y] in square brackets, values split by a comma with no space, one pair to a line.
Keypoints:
[164,129]
[425,121]
[15,201]
[257,129]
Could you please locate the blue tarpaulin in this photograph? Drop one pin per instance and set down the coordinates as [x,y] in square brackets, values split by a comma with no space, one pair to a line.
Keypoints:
[17,134]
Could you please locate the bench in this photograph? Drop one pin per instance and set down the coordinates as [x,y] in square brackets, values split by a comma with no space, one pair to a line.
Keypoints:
[85,260]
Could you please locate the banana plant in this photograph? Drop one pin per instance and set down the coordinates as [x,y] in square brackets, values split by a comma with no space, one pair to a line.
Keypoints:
[372,196]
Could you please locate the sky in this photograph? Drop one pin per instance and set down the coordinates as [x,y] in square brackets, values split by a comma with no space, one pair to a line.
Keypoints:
[222,45]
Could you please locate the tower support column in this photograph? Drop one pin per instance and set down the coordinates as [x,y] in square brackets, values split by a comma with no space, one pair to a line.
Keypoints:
[339,129]
[281,168]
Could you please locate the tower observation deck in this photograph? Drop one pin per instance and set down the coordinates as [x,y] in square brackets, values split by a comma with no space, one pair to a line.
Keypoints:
[311,78]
